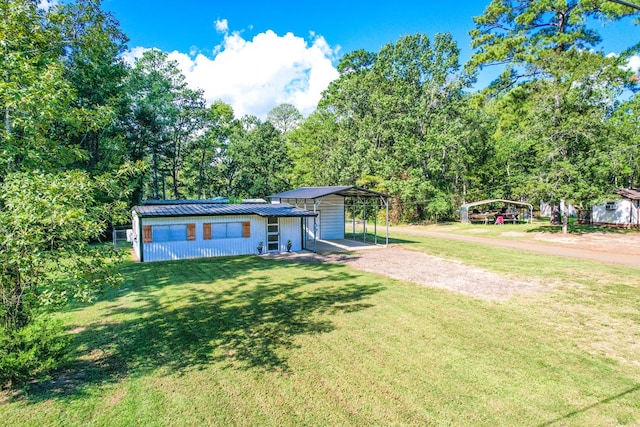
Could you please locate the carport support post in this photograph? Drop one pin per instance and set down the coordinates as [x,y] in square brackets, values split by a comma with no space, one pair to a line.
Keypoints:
[364,221]
[375,224]
[315,239]
[386,204]
[353,219]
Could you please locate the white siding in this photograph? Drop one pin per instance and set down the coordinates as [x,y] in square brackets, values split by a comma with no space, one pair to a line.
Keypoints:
[625,213]
[157,251]
[290,229]
[135,227]
[331,215]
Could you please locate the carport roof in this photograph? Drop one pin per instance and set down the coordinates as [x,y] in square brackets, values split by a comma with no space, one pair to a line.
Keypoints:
[629,193]
[217,209]
[317,192]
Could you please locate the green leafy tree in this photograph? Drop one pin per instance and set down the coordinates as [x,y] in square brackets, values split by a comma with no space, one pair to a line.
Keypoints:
[34,95]
[208,150]
[309,146]
[46,222]
[262,160]
[187,127]
[161,113]
[527,36]
[284,117]
[399,116]
[568,90]
[620,166]
[93,43]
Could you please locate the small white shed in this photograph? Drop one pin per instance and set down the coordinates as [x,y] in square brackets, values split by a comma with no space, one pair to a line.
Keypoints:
[180,229]
[623,212]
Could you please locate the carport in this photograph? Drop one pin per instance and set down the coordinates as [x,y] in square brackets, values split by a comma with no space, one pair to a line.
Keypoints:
[331,204]
[486,217]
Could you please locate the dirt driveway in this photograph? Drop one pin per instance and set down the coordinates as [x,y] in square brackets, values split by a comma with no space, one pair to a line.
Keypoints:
[610,248]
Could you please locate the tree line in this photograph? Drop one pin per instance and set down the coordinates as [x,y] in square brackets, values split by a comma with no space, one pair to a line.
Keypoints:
[85,136]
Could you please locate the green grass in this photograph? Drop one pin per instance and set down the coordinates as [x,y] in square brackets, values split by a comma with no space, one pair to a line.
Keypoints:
[255,341]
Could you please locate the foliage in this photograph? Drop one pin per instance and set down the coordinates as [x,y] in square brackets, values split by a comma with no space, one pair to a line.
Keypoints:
[207,152]
[555,99]
[93,43]
[400,116]
[262,160]
[284,117]
[36,348]
[46,222]
[528,35]
[34,96]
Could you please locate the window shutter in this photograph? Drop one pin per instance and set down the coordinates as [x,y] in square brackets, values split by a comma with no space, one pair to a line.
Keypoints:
[147,234]
[246,229]
[191,232]
[206,231]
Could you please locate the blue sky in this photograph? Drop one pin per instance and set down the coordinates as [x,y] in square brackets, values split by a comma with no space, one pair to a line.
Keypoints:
[258,54]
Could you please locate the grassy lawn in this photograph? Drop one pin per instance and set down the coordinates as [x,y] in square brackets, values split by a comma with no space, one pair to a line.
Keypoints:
[255,341]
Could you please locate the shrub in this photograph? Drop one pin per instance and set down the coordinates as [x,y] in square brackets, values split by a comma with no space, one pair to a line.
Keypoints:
[30,350]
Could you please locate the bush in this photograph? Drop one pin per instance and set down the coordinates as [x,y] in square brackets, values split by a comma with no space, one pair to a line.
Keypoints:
[35,348]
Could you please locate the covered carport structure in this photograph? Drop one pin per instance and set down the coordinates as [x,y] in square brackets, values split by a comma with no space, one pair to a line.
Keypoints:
[467,218]
[331,203]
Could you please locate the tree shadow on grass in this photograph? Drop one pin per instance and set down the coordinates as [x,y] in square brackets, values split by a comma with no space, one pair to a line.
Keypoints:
[247,324]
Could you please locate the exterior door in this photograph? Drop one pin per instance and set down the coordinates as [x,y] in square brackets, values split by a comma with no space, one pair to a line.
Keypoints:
[273,234]
[312,229]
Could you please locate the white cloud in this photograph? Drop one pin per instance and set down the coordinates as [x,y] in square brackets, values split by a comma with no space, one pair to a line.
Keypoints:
[634,64]
[222,25]
[131,55]
[47,4]
[253,76]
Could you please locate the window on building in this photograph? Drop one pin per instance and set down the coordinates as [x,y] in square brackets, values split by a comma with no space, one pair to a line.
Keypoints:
[170,233]
[229,230]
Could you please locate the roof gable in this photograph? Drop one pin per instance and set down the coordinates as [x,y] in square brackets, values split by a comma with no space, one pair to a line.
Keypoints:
[317,192]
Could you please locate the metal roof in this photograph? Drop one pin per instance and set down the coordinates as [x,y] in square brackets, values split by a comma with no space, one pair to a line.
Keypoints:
[317,192]
[217,209]
[629,193]
[218,200]
[486,202]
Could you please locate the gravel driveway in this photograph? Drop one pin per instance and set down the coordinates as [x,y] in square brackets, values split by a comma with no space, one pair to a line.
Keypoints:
[404,264]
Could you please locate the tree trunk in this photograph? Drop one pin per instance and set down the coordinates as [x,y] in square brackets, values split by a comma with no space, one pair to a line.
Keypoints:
[201,174]
[154,162]
[565,217]
[174,175]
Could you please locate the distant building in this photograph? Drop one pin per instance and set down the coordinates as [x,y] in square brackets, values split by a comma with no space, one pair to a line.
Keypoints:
[623,211]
